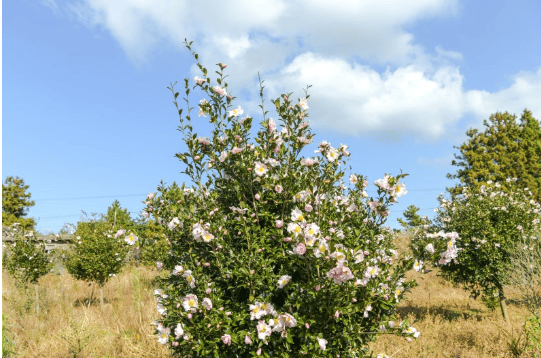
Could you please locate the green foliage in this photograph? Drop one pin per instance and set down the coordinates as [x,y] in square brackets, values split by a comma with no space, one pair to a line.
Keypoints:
[506,149]
[153,243]
[26,259]
[267,237]
[8,346]
[118,217]
[97,252]
[413,219]
[527,341]
[15,203]
[483,227]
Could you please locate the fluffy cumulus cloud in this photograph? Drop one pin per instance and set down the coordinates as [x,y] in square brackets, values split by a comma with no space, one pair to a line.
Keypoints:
[329,45]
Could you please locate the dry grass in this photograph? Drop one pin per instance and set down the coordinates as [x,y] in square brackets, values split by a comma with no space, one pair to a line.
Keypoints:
[452,323]
[69,325]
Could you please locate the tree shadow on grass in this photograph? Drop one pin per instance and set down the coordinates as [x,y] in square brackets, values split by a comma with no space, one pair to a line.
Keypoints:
[422,313]
[92,301]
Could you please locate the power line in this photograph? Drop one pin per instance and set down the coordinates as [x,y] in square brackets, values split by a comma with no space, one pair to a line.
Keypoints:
[144,195]
[91,197]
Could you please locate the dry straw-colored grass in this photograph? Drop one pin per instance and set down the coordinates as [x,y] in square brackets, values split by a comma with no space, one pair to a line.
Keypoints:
[69,325]
[451,323]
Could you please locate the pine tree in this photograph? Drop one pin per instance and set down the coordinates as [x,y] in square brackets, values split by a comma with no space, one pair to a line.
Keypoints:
[118,217]
[15,203]
[506,149]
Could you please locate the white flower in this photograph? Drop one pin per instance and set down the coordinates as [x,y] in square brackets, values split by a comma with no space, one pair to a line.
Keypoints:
[207,303]
[353,179]
[372,271]
[332,155]
[260,169]
[207,236]
[189,278]
[322,343]
[296,215]
[418,265]
[179,330]
[163,336]
[430,248]
[256,312]
[399,190]
[222,157]
[322,247]
[160,308]
[178,270]
[174,224]
[121,232]
[272,125]
[284,280]
[383,183]
[236,112]
[219,90]
[199,80]
[303,103]
[190,301]
[131,239]
[263,330]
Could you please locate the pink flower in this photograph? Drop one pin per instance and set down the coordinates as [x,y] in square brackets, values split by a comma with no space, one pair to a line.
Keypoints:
[300,249]
[306,325]
[247,339]
[322,343]
[259,352]
[278,188]
[207,303]
[257,197]
[308,208]
[199,80]
[208,291]
[336,314]
[226,338]
[219,90]
[279,223]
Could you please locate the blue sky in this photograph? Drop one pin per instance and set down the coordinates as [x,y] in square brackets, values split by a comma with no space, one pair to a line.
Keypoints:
[87,118]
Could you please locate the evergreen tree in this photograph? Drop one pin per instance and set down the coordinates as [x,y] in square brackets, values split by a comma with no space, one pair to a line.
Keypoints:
[412,218]
[118,217]
[15,203]
[506,149]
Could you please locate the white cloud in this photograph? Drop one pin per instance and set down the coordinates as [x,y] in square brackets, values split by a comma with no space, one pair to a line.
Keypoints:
[437,162]
[299,42]
[355,99]
[524,92]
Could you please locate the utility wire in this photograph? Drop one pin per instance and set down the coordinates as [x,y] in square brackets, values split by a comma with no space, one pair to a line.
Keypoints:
[92,197]
[132,195]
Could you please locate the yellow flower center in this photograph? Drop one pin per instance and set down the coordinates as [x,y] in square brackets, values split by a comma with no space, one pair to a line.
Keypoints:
[191,303]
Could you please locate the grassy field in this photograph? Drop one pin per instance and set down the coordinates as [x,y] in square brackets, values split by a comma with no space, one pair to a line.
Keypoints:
[451,323]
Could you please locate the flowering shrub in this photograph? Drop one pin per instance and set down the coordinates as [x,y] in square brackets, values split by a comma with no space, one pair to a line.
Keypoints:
[479,230]
[25,259]
[273,254]
[97,253]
